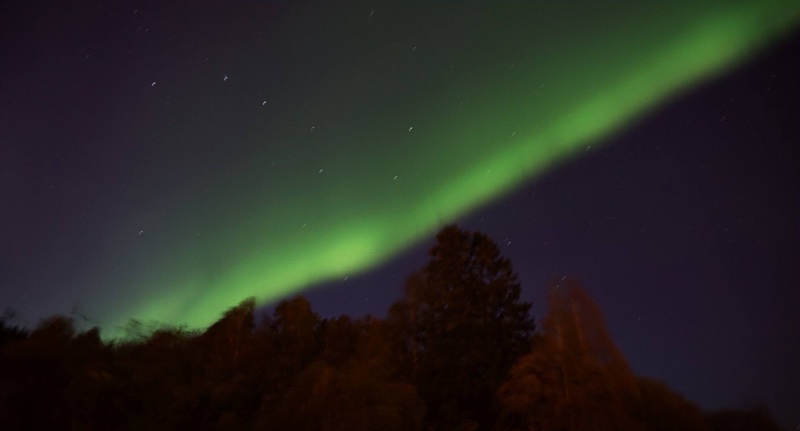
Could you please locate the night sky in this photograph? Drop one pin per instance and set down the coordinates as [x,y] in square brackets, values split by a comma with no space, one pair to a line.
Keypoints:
[165,161]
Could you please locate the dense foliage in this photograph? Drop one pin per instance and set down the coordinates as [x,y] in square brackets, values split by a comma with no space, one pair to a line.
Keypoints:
[458,352]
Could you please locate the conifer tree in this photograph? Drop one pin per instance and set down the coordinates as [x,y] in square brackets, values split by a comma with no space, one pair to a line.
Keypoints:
[466,327]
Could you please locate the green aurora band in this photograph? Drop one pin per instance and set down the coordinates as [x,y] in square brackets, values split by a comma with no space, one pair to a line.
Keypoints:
[380,192]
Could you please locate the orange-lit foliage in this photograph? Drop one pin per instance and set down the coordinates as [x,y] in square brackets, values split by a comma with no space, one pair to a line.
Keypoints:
[456,353]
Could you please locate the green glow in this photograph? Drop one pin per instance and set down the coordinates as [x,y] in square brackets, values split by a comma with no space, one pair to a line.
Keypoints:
[308,227]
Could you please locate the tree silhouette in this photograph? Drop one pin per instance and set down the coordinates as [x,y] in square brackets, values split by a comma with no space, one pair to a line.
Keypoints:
[457,353]
[534,396]
[465,325]
[351,386]
[575,378]
[661,409]
[231,368]
[52,378]
[10,333]
[295,326]
[229,335]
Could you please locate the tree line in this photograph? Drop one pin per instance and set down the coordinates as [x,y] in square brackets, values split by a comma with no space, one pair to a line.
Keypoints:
[459,351]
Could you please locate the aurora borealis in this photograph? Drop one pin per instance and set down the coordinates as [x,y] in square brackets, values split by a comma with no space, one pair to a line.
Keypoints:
[164,161]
